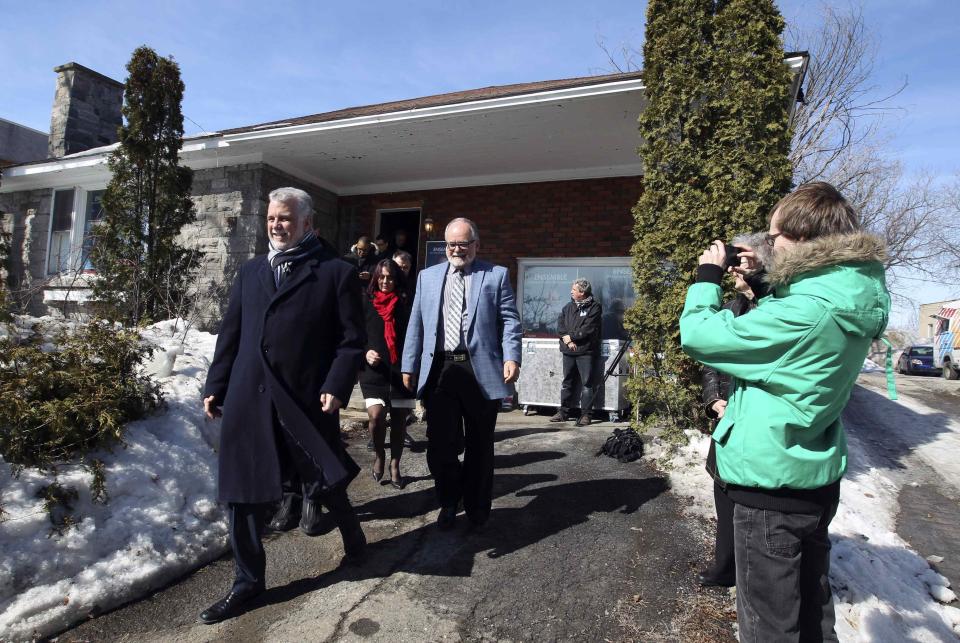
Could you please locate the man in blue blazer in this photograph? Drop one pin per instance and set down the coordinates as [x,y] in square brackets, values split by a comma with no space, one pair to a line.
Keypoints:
[463,350]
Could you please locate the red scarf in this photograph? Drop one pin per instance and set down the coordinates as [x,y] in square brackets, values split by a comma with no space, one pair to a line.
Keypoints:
[386,303]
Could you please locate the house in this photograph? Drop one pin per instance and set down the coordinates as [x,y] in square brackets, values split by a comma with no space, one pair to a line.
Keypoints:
[547,169]
[20,144]
[928,319]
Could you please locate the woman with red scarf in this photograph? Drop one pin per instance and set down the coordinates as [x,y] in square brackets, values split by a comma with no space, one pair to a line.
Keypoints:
[386,309]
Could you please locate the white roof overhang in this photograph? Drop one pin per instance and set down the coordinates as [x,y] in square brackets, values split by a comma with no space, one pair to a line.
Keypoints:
[574,133]
[589,131]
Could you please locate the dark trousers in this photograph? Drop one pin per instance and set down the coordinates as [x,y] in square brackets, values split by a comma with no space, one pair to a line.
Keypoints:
[580,373]
[247,522]
[724,562]
[783,565]
[460,420]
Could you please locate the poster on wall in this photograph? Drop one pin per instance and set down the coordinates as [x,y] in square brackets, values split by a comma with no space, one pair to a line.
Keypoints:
[436,253]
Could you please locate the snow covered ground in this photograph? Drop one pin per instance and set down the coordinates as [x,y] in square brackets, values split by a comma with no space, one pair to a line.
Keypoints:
[161,520]
[883,590]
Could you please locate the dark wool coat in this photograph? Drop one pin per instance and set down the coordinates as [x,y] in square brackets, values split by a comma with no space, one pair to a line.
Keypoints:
[384,380]
[277,351]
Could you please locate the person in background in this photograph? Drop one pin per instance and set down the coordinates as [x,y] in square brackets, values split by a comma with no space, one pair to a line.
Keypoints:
[363,258]
[403,259]
[461,353]
[716,391]
[287,356]
[579,329]
[382,247]
[386,311]
[781,448]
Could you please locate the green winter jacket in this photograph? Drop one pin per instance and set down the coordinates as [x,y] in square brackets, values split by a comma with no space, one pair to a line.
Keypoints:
[794,358]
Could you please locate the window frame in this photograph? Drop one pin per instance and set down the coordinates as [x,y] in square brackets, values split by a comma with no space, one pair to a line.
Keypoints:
[78,215]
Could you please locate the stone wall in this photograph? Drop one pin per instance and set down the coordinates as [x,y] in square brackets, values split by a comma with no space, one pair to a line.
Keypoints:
[26,217]
[231,209]
[86,110]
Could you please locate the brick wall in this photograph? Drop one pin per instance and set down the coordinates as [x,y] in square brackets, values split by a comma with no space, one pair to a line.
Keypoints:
[586,218]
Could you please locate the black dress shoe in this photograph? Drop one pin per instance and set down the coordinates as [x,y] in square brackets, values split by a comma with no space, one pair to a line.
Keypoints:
[709,578]
[311,520]
[288,515]
[408,440]
[447,518]
[227,607]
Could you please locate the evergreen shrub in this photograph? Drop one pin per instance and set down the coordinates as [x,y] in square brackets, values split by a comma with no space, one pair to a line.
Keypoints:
[66,397]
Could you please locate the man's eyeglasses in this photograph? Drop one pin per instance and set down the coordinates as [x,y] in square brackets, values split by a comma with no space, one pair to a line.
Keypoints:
[770,238]
[460,245]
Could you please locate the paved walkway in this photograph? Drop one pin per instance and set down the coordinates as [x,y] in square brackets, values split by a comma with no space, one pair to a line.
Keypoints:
[578,547]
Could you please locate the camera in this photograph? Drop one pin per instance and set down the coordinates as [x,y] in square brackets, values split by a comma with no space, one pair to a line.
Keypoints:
[732,256]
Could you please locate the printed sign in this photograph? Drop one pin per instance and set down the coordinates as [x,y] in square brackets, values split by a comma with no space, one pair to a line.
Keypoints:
[436,253]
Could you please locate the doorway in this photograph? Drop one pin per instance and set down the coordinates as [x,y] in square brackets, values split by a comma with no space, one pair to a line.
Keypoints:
[407,220]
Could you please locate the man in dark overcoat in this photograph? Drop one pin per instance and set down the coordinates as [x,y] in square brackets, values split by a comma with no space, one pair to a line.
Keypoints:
[287,357]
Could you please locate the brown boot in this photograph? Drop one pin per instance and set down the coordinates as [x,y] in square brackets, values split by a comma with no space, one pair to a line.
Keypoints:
[584,420]
[559,416]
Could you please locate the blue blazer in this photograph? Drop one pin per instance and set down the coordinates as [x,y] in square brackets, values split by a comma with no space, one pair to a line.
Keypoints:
[493,327]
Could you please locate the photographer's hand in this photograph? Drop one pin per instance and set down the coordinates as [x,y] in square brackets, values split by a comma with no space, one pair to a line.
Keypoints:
[749,263]
[716,254]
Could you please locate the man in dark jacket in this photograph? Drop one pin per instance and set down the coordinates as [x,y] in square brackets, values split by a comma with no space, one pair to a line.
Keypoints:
[579,330]
[363,256]
[289,350]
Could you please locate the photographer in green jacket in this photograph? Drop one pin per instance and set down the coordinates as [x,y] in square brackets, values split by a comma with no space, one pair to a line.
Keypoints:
[794,359]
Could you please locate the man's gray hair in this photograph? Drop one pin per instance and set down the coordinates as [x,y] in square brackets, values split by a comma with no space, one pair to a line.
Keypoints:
[757,241]
[402,254]
[583,286]
[302,204]
[474,232]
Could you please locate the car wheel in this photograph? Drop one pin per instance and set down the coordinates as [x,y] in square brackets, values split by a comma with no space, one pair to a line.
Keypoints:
[948,372]
[900,368]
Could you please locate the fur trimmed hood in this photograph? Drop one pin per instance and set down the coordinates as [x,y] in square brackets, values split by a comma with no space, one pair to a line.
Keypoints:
[830,250]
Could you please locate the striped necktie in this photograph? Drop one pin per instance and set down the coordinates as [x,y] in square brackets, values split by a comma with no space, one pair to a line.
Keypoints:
[453,315]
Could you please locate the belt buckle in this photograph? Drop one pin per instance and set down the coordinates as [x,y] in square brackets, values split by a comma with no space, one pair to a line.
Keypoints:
[459,357]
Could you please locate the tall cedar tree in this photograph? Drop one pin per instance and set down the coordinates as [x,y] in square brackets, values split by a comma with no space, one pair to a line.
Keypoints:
[144,273]
[715,141]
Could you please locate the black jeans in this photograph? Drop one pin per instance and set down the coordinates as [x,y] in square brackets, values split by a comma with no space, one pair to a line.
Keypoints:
[783,568]
[460,420]
[579,372]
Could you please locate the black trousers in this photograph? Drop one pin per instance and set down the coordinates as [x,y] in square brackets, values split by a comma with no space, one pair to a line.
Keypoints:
[579,373]
[247,523]
[724,562]
[460,420]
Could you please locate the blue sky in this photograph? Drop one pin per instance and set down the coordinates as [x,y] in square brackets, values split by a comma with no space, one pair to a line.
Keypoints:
[248,62]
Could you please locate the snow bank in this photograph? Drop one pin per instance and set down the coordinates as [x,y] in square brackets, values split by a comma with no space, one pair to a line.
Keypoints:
[161,519]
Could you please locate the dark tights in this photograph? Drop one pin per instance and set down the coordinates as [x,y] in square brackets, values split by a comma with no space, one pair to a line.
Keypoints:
[377,424]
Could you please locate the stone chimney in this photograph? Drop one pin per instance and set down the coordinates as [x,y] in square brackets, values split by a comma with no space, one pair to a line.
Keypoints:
[86,110]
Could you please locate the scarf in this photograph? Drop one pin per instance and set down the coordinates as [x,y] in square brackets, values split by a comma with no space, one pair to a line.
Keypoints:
[386,303]
[583,303]
[284,261]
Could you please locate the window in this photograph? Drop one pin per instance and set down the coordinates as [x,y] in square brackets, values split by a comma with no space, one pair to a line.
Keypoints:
[545,289]
[61,226]
[93,213]
[74,214]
